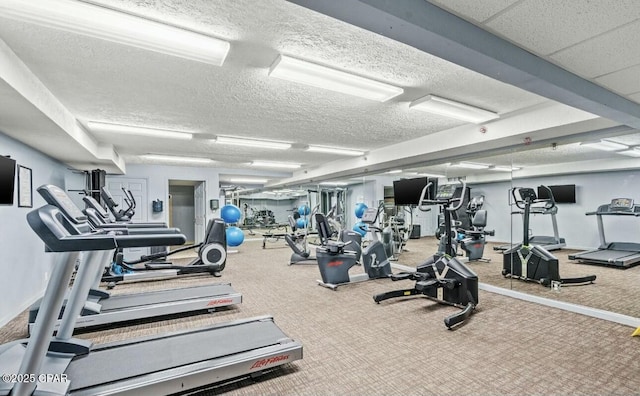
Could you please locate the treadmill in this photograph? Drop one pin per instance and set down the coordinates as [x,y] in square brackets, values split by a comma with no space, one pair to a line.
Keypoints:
[102,309]
[211,259]
[165,364]
[544,207]
[621,255]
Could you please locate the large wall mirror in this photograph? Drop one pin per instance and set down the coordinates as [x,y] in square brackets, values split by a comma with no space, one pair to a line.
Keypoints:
[585,198]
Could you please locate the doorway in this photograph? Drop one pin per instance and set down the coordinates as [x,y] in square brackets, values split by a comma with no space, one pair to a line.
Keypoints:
[187,208]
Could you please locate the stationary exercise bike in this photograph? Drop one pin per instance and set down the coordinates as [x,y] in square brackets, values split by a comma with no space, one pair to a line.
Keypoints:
[442,278]
[533,263]
[474,241]
[335,258]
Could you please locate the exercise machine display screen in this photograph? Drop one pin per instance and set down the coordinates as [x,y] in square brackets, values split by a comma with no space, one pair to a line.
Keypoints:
[621,204]
[370,216]
[447,191]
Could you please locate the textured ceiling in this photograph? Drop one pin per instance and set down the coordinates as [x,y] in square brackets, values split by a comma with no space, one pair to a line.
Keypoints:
[102,81]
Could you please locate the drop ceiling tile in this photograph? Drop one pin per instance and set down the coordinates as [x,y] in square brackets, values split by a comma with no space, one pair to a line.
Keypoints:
[603,54]
[626,81]
[478,11]
[546,26]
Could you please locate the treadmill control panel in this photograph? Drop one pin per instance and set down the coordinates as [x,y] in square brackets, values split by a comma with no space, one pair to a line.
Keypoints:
[621,205]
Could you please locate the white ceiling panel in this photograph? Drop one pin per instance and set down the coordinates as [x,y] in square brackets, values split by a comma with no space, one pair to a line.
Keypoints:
[546,26]
[604,54]
[473,10]
[625,82]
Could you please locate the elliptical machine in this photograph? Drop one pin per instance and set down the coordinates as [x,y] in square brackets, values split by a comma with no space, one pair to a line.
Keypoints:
[533,263]
[442,278]
[298,241]
[374,256]
[119,214]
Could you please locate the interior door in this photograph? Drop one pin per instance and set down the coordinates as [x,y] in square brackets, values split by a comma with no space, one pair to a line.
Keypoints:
[199,203]
[138,188]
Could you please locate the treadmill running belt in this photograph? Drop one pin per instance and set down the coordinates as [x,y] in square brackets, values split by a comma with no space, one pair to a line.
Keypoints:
[109,364]
[165,296]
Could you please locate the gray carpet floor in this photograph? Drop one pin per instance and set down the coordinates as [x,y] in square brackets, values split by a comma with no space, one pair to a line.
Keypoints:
[353,346]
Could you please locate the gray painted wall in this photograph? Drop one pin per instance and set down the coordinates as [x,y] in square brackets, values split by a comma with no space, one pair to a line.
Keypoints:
[24,265]
[158,177]
[580,231]
[183,213]
[592,190]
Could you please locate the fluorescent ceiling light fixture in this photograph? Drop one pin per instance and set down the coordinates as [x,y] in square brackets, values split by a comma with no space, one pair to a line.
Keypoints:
[430,174]
[268,164]
[236,141]
[449,108]
[470,165]
[410,173]
[303,72]
[333,184]
[395,171]
[606,145]
[334,150]
[504,168]
[158,157]
[142,131]
[631,153]
[247,180]
[119,27]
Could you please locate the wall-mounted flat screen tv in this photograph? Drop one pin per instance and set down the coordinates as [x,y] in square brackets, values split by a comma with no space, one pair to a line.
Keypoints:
[407,191]
[561,194]
[7,180]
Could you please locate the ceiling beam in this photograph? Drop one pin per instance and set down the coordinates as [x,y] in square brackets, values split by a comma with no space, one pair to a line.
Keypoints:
[34,116]
[433,30]
[548,122]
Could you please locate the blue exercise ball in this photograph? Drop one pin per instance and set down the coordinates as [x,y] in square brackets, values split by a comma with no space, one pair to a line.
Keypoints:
[230,214]
[235,236]
[301,223]
[360,208]
[304,210]
[361,228]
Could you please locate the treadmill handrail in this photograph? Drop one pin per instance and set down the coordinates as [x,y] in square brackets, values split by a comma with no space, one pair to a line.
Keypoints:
[61,235]
[636,214]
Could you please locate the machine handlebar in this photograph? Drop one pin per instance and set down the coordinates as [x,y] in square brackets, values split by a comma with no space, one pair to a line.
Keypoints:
[531,198]
[424,202]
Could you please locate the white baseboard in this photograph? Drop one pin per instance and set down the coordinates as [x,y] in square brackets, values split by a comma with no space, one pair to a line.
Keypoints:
[575,308]
[8,317]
